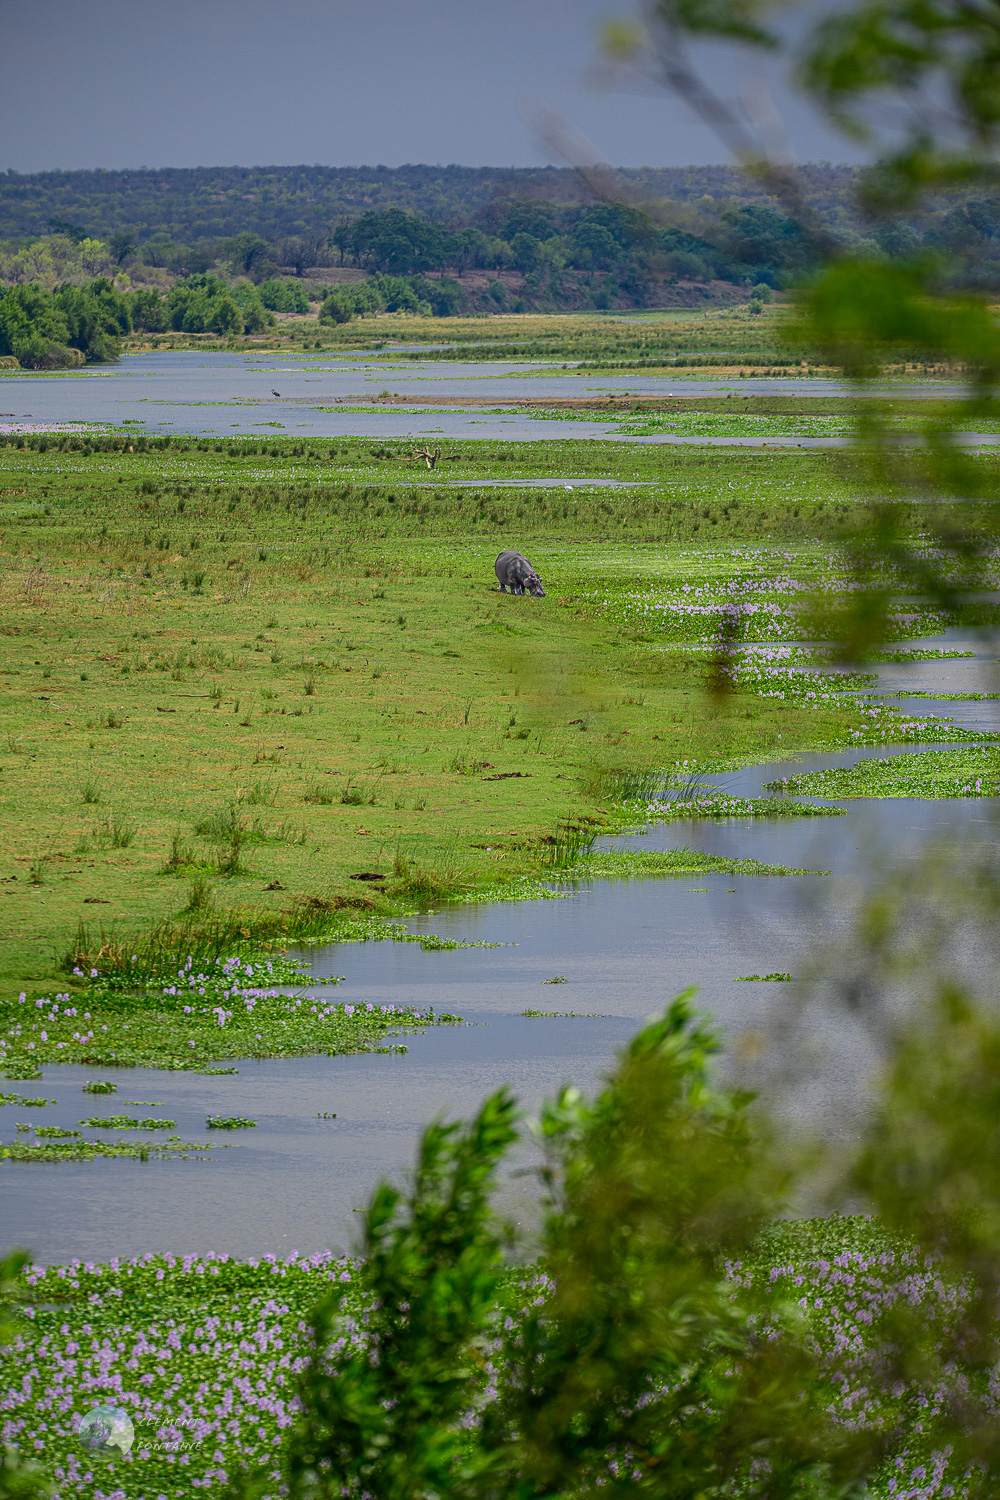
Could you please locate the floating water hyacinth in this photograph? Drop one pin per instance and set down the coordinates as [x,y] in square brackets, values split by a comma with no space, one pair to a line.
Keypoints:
[233,1007]
[757,605]
[128,1122]
[720,806]
[202,1354]
[973,771]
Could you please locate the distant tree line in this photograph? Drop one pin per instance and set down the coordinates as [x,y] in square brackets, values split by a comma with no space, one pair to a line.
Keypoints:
[66,295]
[754,243]
[189,205]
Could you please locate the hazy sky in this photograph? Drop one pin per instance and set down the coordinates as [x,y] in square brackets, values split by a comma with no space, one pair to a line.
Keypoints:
[129,83]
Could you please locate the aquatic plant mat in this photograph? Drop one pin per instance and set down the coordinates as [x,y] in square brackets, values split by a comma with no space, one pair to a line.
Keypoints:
[186,1017]
[203,1351]
[973,771]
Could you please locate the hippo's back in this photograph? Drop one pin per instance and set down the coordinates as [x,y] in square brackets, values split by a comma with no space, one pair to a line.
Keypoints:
[505,566]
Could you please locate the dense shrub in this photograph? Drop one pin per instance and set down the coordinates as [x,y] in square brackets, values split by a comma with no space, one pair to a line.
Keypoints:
[47,330]
[283,296]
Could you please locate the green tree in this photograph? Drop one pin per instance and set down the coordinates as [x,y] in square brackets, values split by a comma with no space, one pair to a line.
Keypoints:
[74,232]
[33,327]
[768,244]
[97,316]
[283,296]
[203,304]
[529,217]
[250,255]
[149,310]
[526,250]
[431,1268]
[398,242]
[594,245]
[121,244]
[336,308]
[255,316]
[624,1361]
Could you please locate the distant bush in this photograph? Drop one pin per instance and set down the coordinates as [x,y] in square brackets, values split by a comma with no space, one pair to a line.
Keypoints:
[204,304]
[441,297]
[283,296]
[149,311]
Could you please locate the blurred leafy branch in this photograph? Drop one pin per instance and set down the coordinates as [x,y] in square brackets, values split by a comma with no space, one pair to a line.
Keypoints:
[920,84]
[622,1360]
[634,1357]
[19,1479]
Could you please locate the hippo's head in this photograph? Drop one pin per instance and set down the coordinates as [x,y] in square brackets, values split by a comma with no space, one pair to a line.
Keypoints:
[534,586]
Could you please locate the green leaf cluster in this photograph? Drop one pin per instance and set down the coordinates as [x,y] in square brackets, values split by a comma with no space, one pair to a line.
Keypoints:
[623,1360]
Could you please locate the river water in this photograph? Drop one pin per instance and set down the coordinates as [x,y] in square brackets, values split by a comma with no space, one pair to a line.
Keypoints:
[196,392]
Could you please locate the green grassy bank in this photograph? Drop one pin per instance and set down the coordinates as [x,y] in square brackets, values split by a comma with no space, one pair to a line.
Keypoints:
[237,677]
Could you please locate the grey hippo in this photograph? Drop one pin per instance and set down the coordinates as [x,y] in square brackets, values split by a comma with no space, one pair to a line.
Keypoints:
[516,573]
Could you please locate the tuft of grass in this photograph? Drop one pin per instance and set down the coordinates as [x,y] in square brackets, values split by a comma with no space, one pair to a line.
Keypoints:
[115,832]
[570,843]
[181,856]
[201,897]
[90,792]
[358,794]
[258,794]
[220,826]
[229,855]
[624,784]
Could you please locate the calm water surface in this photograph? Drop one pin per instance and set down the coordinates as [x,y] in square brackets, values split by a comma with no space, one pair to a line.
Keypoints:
[624,947]
[193,391]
